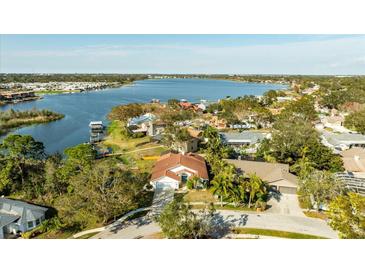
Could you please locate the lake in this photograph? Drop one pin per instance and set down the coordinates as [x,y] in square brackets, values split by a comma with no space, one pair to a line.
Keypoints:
[81,108]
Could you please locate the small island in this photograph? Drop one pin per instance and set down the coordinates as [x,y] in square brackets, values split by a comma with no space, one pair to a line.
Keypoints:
[12,119]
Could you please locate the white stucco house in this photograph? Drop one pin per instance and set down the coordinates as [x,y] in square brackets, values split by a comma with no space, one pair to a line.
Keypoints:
[17,216]
[173,169]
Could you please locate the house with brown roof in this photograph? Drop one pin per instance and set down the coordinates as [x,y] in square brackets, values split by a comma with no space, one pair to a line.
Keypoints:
[354,160]
[173,169]
[276,175]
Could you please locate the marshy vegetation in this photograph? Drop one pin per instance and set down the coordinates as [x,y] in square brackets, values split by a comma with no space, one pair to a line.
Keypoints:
[12,119]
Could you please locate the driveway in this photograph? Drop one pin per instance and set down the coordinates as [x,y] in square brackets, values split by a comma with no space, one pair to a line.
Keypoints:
[161,198]
[284,204]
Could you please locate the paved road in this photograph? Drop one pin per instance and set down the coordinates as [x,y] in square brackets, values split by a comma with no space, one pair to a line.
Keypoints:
[285,215]
[135,229]
[143,226]
[282,222]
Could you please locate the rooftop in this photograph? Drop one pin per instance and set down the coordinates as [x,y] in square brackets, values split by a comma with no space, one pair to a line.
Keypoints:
[269,172]
[343,138]
[171,160]
[244,136]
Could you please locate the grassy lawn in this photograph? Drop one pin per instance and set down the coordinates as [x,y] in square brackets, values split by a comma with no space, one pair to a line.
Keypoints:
[56,234]
[205,196]
[157,235]
[225,207]
[200,196]
[134,149]
[315,214]
[274,233]
[87,236]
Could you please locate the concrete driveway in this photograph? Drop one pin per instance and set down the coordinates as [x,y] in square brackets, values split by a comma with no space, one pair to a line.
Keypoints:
[284,204]
[161,198]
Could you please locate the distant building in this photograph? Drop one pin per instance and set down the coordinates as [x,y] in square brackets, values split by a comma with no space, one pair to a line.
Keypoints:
[244,138]
[342,141]
[17,216]
[17,96]
[190,145]
[354,160]
[276,175]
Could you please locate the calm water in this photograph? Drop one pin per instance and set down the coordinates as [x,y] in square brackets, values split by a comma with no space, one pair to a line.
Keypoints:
[81,108]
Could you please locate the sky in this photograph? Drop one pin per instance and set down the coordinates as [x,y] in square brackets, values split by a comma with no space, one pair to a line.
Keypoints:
[226,54]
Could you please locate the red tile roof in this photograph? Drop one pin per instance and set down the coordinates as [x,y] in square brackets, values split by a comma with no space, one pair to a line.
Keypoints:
[168,161]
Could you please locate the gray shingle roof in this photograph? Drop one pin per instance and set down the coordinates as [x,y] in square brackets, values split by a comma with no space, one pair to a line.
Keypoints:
[245,136]
[269,172]
[343,138]
[6,219]
[21,210]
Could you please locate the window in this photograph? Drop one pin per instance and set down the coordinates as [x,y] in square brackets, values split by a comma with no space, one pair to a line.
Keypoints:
[30,224]
[37,222]
[184,177]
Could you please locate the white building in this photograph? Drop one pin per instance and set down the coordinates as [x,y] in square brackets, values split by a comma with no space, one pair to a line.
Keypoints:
[17,216]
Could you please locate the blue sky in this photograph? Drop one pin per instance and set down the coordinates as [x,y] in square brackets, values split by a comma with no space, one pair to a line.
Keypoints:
[246,54]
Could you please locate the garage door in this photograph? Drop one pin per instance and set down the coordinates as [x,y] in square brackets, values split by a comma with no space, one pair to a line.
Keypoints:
[288,190]
[164,185]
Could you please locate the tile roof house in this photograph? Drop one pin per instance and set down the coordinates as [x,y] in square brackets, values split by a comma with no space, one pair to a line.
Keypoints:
[173,168]
[354,159]
[17,216]
[276,175]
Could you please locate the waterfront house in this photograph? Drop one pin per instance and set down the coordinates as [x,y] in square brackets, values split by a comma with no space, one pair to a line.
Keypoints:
[276,175]
[141,124]
[17,96]
[17,216]
[174,169]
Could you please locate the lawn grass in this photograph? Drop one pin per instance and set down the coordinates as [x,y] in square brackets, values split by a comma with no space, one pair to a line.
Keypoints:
[133,149]
[274,233]
[225,207]
[87,236]
[56,234]
[157,235]
[316,214]
[200,196]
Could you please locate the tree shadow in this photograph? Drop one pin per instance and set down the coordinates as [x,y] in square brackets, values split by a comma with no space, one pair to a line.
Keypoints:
[275,195]
[223,225]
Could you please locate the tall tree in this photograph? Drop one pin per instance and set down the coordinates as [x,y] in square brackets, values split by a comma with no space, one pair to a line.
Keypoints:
[321,187]
[347,215]
[177,221]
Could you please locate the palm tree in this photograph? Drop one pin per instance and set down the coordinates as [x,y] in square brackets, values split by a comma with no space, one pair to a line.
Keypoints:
[255,186]
[223,183]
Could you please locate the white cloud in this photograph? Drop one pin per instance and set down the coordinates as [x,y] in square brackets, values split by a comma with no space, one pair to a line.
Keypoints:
[334,56]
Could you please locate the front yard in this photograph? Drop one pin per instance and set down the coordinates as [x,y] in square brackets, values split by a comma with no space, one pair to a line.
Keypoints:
[274,233]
